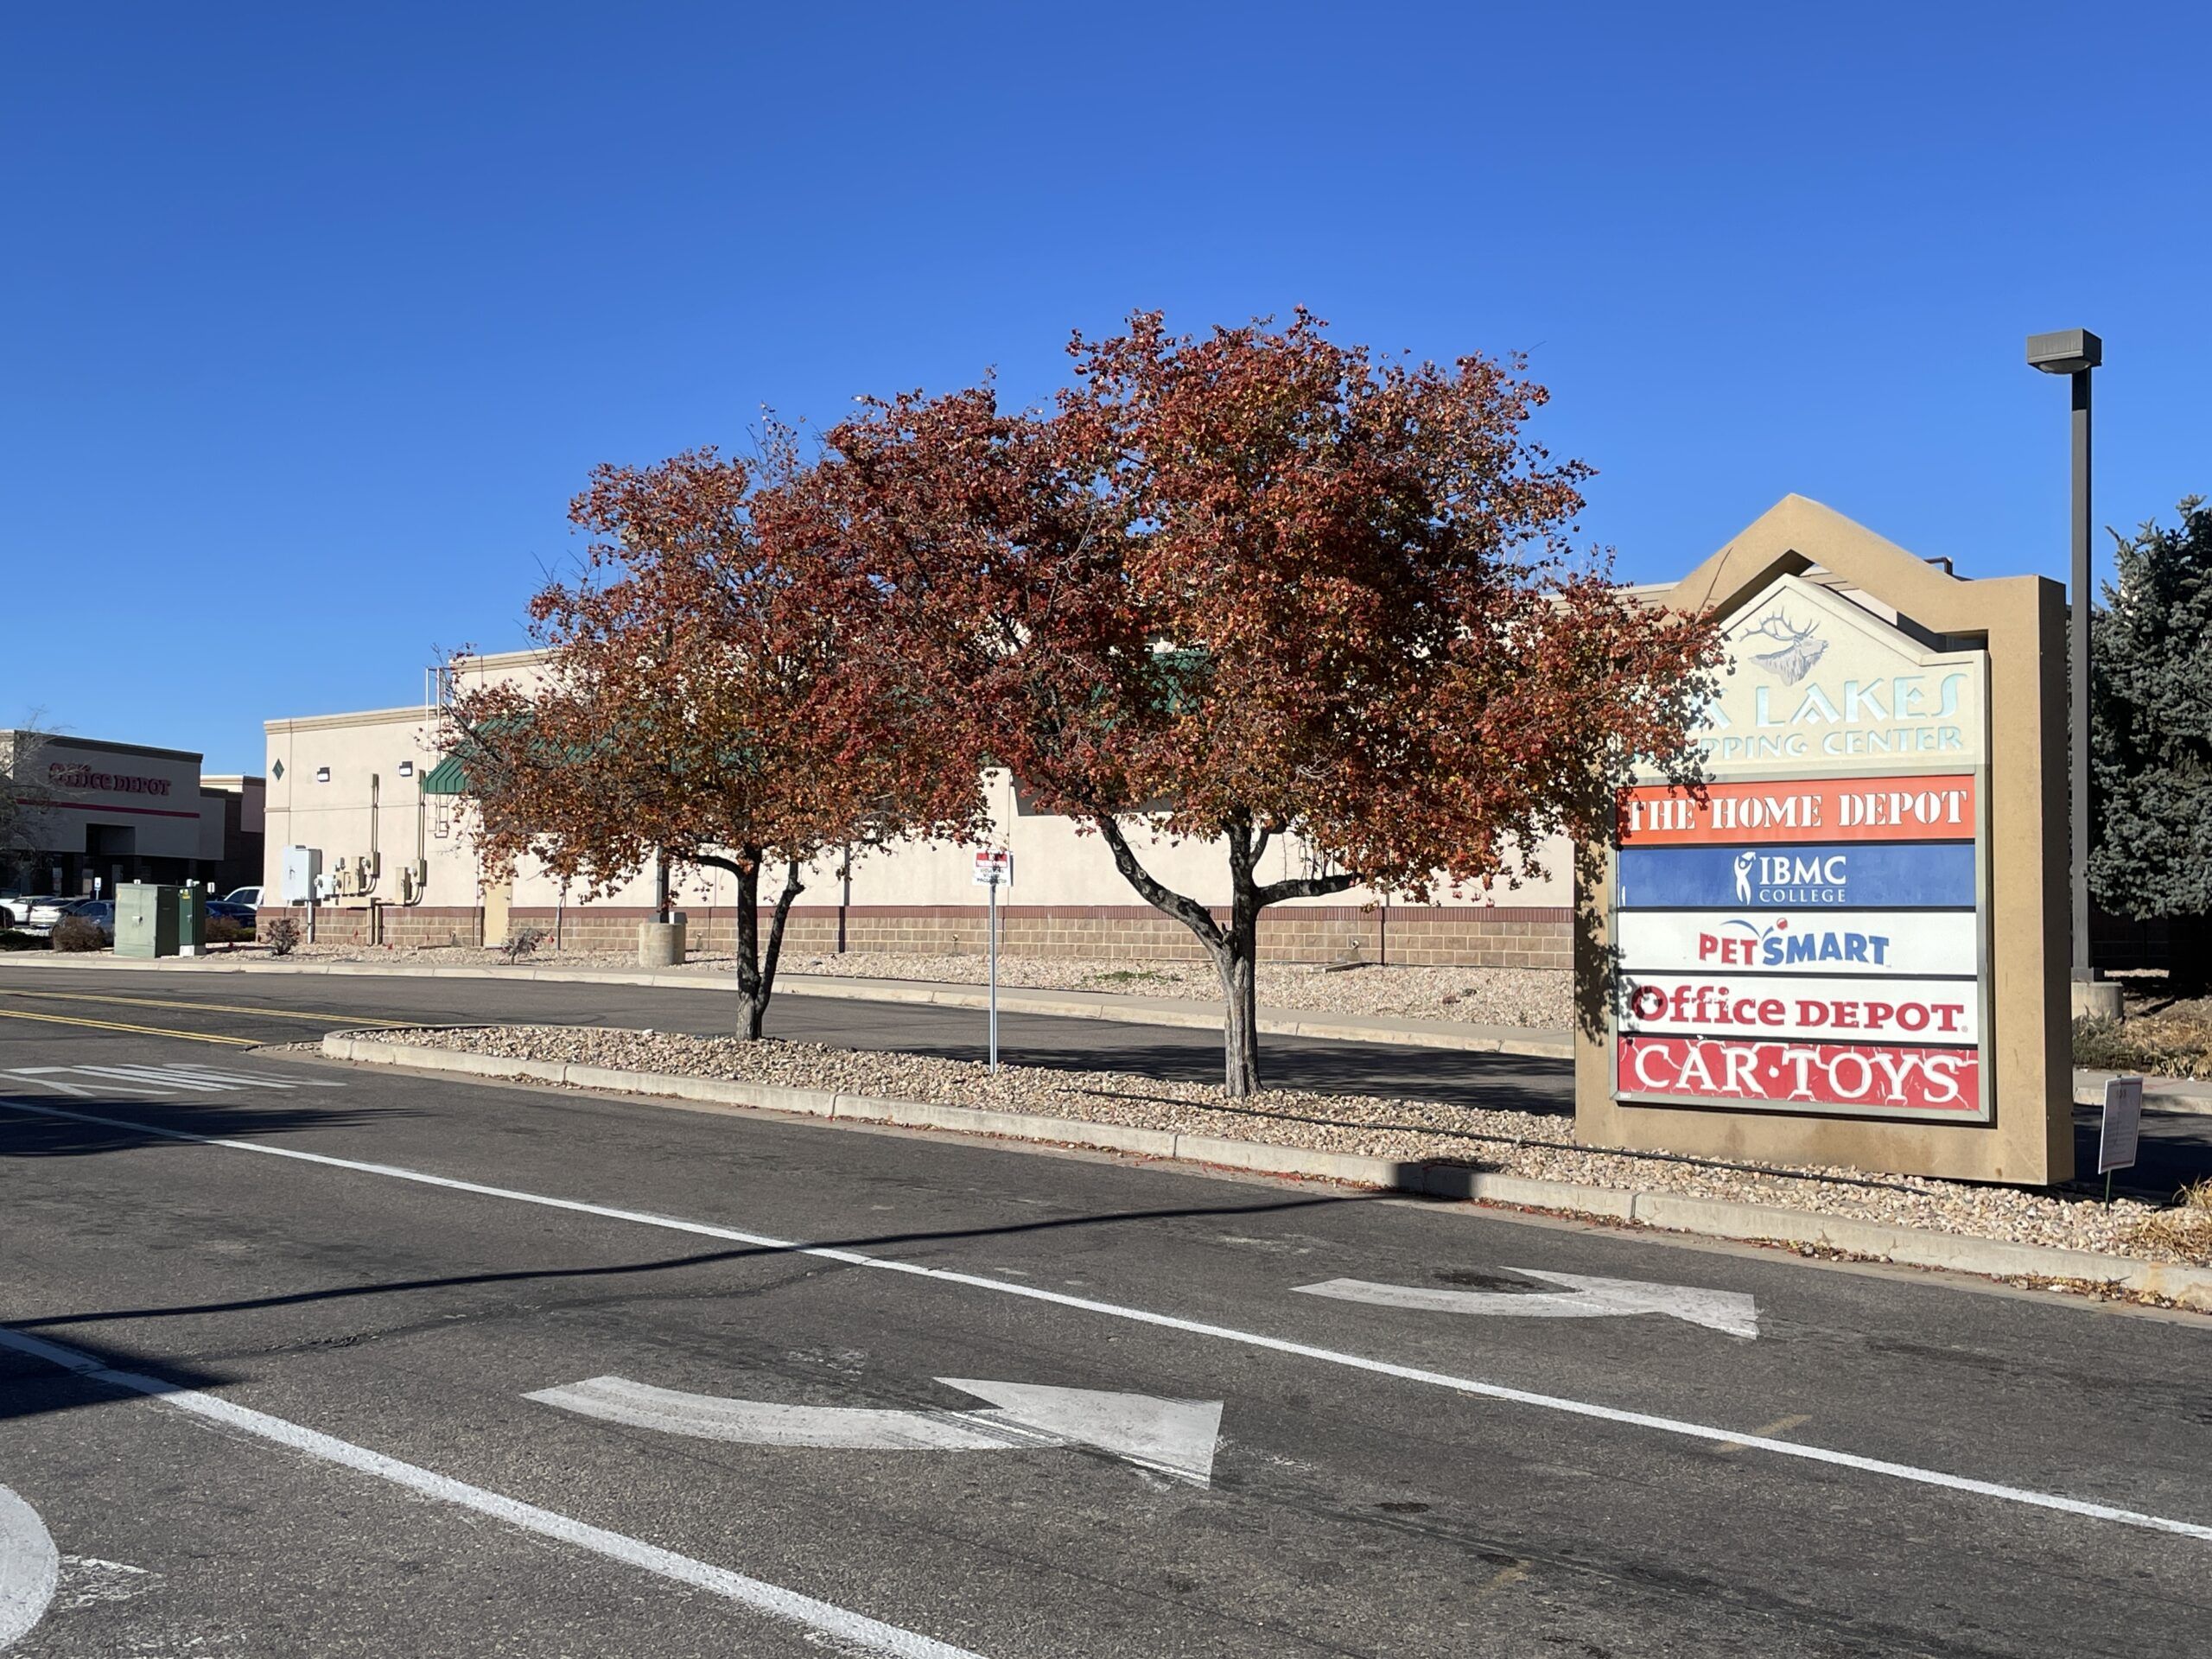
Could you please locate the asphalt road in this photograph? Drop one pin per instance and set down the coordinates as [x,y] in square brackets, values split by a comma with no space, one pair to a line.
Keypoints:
[271,1009]
[276,1401]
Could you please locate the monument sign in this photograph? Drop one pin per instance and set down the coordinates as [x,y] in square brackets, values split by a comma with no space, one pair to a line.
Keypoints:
[1798,960]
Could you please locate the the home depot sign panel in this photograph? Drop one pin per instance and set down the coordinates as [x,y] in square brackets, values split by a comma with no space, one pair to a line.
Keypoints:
[1809,934]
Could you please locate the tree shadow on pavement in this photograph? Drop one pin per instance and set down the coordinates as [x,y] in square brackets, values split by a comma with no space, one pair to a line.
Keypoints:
[34,1384]
[695,1259]
[36,1128]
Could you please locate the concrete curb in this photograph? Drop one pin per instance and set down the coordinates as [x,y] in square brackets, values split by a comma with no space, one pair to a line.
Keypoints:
[1671,1211]
[2159,1094]
[1535,1042]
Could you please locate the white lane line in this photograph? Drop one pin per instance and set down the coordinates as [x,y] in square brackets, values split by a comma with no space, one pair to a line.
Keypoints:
[28,1567]
[1728,1311]
[839,1623]
[1466,1385]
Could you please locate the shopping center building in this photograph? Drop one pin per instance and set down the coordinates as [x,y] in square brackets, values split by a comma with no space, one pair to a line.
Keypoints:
[370,792]
[96,814]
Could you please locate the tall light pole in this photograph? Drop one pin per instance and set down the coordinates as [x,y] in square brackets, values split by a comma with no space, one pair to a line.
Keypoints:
[2074,352]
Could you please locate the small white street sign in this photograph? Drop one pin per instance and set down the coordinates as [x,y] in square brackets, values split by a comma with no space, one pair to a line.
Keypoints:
[2123,1122]
[993,869]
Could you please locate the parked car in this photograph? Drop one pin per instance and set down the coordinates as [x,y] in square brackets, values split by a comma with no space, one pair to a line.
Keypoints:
[250,897]
[243,914]
[98,911]
[39,914]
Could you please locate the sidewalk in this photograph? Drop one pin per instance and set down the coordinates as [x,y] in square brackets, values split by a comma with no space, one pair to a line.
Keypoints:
[2170,1095]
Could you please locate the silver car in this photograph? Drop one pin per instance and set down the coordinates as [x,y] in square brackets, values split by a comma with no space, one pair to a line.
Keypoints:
[39,914]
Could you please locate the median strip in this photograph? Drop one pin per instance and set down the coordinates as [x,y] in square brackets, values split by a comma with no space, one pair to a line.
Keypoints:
[1521,1160]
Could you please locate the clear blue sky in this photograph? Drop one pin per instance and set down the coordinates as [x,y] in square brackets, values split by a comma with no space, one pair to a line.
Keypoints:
[315,317]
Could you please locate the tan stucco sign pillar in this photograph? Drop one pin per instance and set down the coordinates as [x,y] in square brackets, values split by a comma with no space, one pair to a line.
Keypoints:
[1850,947]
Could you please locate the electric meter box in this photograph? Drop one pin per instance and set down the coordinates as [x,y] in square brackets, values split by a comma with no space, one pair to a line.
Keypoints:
[145,920]
[302,869]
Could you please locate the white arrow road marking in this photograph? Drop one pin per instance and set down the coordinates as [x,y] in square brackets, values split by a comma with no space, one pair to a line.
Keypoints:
[1173,1436]
[840,1625]
[28,1567]
[1471,1387]
[1725,1311]
[1176,1437]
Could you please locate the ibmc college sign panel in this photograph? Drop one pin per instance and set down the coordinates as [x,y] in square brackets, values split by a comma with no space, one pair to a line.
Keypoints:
[1797,958]
[1807,935]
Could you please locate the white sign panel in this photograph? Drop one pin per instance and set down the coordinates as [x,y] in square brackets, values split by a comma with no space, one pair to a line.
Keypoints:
[1875,942]
[1754,1007]
[994,870]
[2122,1126]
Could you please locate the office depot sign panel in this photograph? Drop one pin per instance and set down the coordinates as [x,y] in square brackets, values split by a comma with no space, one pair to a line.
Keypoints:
[1807,934]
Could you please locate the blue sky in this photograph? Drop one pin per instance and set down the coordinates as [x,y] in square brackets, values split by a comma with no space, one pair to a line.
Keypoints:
[315,317]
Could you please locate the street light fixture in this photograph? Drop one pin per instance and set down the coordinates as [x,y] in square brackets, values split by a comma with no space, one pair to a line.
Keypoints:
[2074,352]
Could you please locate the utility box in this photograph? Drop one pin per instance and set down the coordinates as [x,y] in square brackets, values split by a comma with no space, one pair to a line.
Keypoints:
[302,871]
[191,921]
[145,920]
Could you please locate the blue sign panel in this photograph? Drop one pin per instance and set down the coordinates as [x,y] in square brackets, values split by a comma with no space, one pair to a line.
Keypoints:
[1859,876]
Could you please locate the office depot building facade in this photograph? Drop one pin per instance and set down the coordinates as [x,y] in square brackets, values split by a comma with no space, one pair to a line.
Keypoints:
[1842,949]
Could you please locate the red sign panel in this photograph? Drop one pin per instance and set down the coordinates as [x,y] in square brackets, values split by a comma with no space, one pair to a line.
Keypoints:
[1862,1077]
[1936,807]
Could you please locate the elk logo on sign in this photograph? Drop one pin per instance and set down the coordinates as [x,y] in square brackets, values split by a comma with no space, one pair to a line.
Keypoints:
[1800,648]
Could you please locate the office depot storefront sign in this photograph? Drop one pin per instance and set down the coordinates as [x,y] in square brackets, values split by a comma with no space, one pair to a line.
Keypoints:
[1807,934]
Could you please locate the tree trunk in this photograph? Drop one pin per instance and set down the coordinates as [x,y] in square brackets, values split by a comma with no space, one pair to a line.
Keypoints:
[1236,961]
[756,966]
[1234,950]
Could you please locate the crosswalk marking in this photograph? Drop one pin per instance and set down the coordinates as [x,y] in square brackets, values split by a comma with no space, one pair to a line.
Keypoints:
[185,1075]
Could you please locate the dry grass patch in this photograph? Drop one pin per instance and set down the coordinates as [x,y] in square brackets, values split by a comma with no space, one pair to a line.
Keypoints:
[2185,1231]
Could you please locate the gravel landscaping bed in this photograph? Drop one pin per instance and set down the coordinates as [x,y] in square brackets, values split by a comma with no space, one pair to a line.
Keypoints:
[1519,1143]
[1538,997]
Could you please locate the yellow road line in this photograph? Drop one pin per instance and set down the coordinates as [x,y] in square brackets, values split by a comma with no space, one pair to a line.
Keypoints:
[212,1008]
[142,1031]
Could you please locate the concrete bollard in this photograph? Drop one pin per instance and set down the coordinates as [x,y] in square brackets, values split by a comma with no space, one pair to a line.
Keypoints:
[2096,1000]
[660,944]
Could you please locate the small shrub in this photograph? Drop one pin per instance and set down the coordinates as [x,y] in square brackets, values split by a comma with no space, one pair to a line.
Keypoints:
[281,936]
[79,933]
[524,942]
[226,931]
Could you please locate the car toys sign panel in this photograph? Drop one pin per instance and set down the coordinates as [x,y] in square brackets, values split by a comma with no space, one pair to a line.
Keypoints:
[1805,934]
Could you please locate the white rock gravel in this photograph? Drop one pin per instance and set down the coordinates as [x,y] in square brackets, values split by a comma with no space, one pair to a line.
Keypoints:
[1518,1143]
[1538,997]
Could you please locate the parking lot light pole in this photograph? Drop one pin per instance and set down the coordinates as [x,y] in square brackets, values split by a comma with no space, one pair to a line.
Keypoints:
[2075,353]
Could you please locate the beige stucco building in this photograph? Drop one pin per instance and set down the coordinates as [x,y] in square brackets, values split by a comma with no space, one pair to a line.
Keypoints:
[359,788]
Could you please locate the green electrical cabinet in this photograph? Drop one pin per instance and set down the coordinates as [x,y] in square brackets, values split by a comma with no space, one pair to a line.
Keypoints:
[145,920]
[191,920]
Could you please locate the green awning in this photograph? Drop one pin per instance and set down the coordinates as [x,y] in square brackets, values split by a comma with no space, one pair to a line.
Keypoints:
[447,777]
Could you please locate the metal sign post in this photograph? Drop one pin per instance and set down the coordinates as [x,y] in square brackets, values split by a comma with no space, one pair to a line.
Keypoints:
[2122,1127]
[993,870]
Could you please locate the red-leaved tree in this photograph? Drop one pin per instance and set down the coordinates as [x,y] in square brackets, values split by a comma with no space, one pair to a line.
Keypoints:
[700,706]
[1260,590]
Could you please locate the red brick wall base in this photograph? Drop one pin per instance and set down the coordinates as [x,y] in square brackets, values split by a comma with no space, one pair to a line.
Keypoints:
[1501,937]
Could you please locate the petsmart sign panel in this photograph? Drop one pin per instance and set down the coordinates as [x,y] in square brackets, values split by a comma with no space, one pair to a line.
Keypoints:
[1805,934]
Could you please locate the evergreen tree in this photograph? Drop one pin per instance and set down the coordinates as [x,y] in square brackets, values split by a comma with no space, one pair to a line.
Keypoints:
[2151,714]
